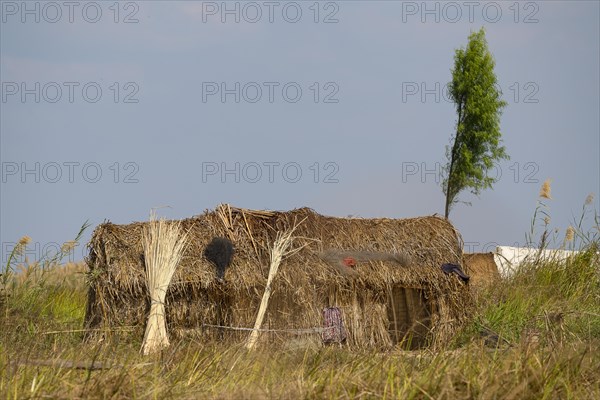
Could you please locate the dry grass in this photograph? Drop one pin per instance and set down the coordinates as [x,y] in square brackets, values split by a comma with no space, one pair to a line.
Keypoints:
[192,370]
[163,247]
[482,269]
[562,362]
[281,248]
[548,317]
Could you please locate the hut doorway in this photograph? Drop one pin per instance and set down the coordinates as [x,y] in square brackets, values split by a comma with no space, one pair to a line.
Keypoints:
[409,315]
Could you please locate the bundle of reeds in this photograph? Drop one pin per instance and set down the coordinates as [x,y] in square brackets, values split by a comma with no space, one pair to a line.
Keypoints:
[163,247]
[281,248]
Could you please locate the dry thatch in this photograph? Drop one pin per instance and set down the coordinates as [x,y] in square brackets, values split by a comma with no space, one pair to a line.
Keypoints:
[163,246]
[402,293]
[482,269]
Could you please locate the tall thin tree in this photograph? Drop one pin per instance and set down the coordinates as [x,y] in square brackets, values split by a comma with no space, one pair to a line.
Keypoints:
[476,143]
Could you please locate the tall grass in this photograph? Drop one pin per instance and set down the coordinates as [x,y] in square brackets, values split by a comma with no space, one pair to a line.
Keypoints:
[551,300]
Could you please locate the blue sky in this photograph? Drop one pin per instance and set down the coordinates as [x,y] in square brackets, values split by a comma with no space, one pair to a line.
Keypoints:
[107,112]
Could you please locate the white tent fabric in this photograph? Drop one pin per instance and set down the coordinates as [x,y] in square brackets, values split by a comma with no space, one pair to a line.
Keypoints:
[508,259]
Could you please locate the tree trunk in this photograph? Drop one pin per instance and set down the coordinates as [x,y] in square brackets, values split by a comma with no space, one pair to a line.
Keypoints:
[452,159]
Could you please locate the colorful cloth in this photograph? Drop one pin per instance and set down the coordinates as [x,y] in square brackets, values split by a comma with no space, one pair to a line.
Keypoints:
[349,262]
[334,331]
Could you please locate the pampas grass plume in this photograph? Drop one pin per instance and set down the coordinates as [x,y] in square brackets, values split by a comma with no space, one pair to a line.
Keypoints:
[545,191]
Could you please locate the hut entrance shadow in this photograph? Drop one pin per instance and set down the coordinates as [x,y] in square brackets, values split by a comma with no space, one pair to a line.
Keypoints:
[409,315]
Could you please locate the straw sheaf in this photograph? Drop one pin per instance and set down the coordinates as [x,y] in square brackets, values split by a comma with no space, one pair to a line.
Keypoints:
[410,252]
[482,269]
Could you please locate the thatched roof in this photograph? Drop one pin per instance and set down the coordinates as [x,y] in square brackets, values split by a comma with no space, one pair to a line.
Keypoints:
[482,268]
[388,252]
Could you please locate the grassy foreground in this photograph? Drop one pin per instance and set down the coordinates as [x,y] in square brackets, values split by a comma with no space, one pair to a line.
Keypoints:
[546,321]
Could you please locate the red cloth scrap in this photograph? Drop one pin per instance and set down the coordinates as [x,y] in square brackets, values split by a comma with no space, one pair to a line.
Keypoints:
[349,262]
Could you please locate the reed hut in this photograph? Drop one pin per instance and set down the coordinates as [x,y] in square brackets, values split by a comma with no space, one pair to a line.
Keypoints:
[393,290]
[482,269]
